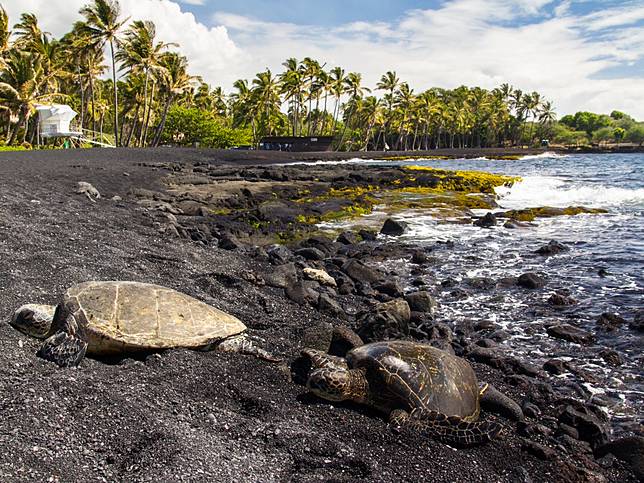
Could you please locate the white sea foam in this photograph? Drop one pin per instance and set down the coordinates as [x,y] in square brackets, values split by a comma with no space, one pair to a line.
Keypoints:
[547,154]
[544,190]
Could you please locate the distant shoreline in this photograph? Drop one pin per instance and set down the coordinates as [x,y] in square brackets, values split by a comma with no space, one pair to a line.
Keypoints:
[257,157]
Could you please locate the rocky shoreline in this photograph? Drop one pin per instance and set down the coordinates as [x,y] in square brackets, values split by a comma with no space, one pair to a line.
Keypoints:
[210,231]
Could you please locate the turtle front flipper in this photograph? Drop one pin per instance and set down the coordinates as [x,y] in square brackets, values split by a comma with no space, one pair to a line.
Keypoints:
[321,360]
[451,430]
[66,347]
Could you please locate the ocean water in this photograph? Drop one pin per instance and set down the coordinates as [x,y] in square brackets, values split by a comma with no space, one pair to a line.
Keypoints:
[603,270]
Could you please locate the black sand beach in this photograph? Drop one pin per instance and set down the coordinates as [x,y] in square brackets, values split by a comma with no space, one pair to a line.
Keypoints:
[193,416]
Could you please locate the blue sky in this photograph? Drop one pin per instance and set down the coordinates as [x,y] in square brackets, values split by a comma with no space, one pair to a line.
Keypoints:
[581,54]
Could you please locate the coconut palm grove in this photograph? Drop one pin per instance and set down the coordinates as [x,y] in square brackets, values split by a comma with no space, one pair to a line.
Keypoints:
[132,89]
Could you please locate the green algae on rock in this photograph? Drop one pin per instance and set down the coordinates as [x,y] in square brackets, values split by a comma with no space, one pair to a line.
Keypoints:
[529,214]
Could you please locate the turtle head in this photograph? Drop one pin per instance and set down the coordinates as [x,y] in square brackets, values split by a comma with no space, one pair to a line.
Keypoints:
[33,320]
[336,384]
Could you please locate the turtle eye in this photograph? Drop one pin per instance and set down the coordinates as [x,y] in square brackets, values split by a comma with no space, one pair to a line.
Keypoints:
[329,384]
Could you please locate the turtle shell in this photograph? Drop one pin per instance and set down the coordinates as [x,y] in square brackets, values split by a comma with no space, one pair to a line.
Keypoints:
[127,316]
[409,375]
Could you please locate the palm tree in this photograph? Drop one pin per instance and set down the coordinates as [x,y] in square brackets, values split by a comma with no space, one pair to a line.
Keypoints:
[175,82]
[140,53]
[5,33]
[338,88]
[310,70]
[265,97]
[102,26]
[20,84]
[388,82]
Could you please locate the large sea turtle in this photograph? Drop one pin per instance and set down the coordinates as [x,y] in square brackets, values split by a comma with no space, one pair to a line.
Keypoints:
[419,386]
[113,318]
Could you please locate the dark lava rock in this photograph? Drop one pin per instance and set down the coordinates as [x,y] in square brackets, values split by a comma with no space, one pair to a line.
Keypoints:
[310,253]
[531,280]
[638,321]
[399,308]
[419,257]
[381,325]
[609,321]
[347,238]
[570,333]
[611,357]
[318,336]
[302,294]
[630,450]
[393,228]
[552,248]
[279,254]
[328,306]
[359,272]
[485,355]
[561,300]
[531,410]
[556,367]
[488,221]
[421,301]
[435,334]
[590,428]
[481,283]
[229,242]
[495,401]
[367,235]
[281,276]
[539,450]
[390,287]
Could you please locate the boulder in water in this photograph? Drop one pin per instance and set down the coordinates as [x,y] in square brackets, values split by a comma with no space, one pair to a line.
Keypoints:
[393,227]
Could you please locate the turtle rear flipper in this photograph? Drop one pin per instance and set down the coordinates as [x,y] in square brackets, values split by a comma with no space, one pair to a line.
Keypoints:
[447,429]
[64,349]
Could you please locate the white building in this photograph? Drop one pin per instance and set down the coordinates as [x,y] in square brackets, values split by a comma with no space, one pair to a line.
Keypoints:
[54,121]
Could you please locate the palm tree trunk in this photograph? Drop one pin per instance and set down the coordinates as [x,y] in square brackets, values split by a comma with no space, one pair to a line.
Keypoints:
[91,88]
[145,105]
[164,116]
[147,119]
[116,96]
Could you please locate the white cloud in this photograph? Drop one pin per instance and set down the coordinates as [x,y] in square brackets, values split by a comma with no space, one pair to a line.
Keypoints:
[532,44]
[210,50]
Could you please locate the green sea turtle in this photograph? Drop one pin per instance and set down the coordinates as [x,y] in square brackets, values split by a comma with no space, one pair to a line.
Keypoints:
[419,386]
[114,318]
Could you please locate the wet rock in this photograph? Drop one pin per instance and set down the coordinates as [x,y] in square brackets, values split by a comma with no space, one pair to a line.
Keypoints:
[590,428]
[228,241]
[320,276]
[393,288]
[488,221]
[481,283]
[367,235]
[561,300]
[281,276]
[347,238]
[638,321]
[531,281]
[629,449]
[552,248]
[360,272]
[328,306]
[609,321]
[302,294]
[611,357]
[419,257]
[392,227]
[495,401]
[556,367]
[485,355]
[539,450]
[310,253]
[421,301]
[279,254]
[602,272]
[570,333]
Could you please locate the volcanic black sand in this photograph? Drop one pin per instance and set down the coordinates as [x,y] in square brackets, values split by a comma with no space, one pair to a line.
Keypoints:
[194,416]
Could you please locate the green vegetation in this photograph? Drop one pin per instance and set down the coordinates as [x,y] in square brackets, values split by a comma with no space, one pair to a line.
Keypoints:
[156,100]
[529,214]
[588,127]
